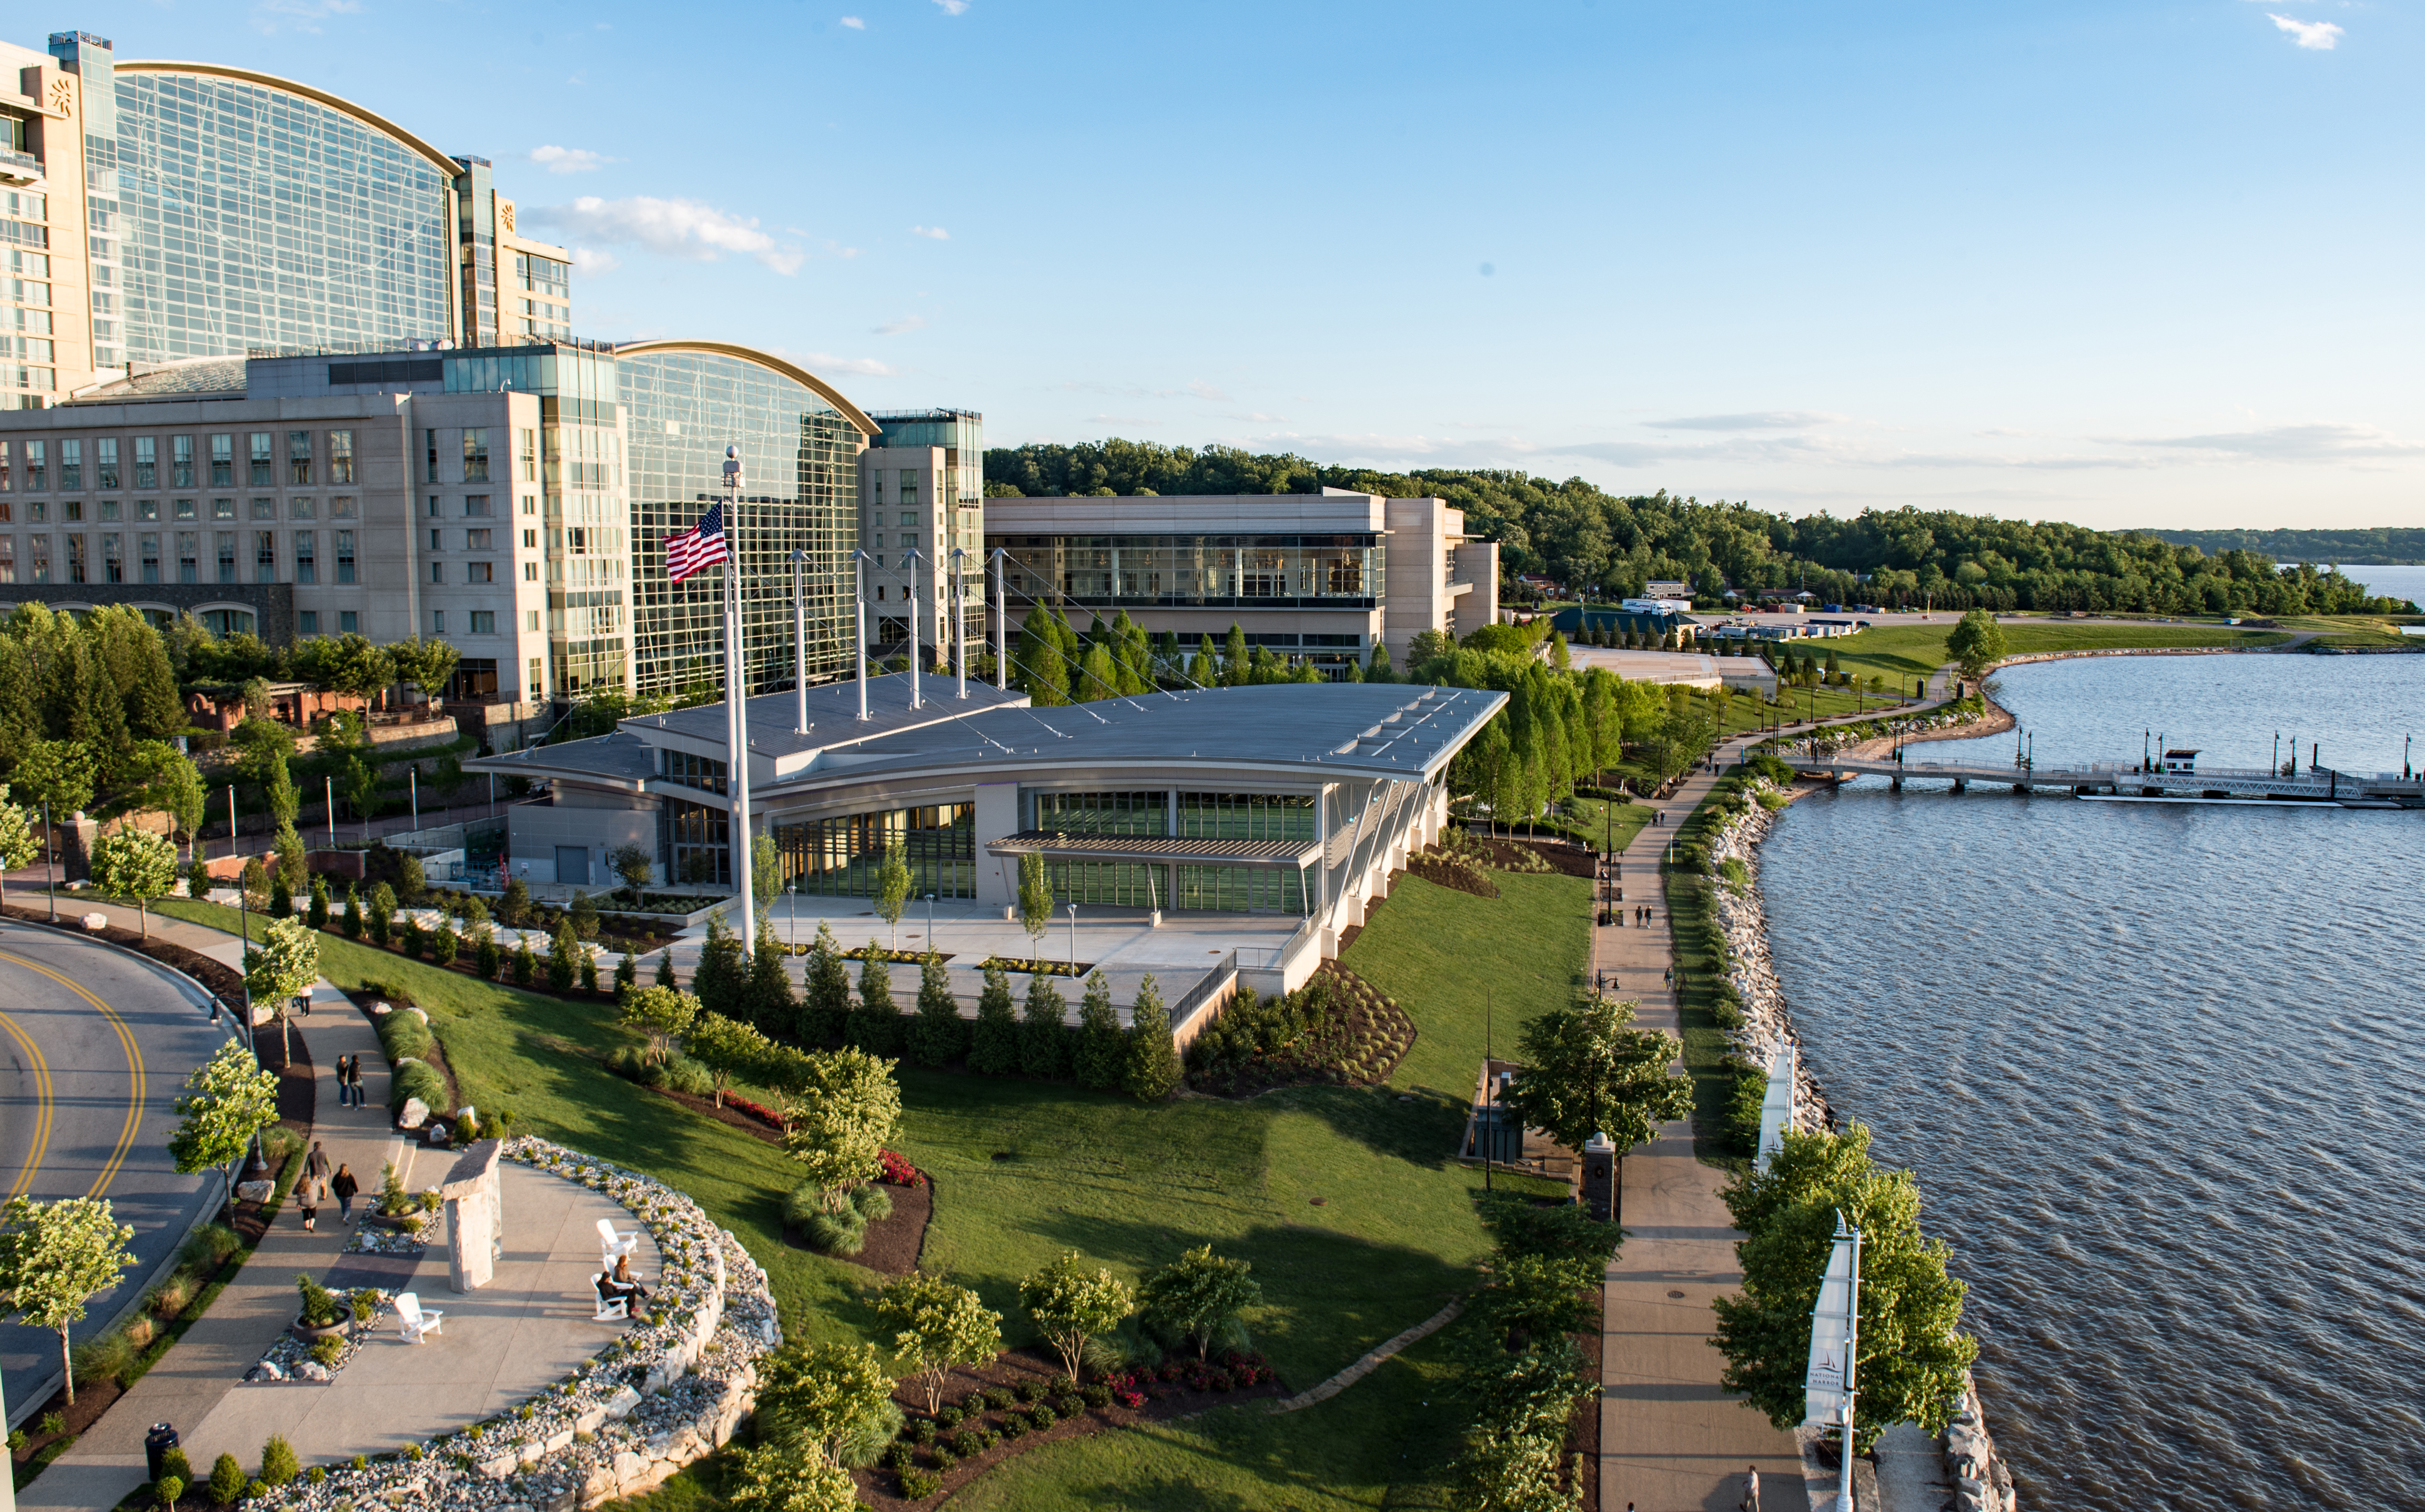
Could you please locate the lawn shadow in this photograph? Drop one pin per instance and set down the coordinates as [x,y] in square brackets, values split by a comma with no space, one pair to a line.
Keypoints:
[1423,1131]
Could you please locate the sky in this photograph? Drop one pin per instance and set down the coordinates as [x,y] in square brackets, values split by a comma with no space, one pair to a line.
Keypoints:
[2123,263]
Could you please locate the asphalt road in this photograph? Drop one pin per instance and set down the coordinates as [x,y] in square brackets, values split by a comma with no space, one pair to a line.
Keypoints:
[95,1045]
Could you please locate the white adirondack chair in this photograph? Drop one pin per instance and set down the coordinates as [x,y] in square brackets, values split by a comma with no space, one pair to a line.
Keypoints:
[610,1309]
[415,1323]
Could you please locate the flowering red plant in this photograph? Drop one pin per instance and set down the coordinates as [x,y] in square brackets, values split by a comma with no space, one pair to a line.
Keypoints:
[756,1110]
[898,1171]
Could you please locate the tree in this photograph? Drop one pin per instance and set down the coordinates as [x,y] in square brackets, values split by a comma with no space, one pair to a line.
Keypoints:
[292,861]
[729,1048]
[1198,1296]
[1379,670]
[56,774]
[636,866]
[940,1326]
[564,957]
[1044,1029]
[820,1396]
[228,1099]
[767,994]
[1235,660]
[938,1035]
[227,1481]
[350,664]
[359,781]
[56,1257]
[17,844]
[1153,1069]
[776,1479]
[173,785]
[1911,1355]
[892,888]
[424,665]
[722,977]
[1034,900]
[845,1106]
[826,1001]
[582,915]
[876,1024]
[993,1044]
[1070,1306]
[1586,1073]
[664,1014]
[278,790]
[765,873]
[1977,643]
[664,973]
[136,864]
[1102,1045]
[283,969]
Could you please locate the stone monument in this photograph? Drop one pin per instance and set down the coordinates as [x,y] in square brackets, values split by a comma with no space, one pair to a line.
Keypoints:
[475,1217]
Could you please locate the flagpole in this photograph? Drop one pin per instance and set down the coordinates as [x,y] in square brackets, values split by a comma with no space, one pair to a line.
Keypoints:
[859,617]
[910,565]
[959,621]
[1851,1359]
[1002,624]
[799,647]
[739,842]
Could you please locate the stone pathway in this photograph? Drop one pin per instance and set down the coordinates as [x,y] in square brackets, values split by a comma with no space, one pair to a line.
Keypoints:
[1372,1359]
[205,1365]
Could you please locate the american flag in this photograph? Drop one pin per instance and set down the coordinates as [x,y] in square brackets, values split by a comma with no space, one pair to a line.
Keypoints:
[698,547]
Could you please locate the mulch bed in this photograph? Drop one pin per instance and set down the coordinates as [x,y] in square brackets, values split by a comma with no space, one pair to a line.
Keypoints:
[1562,855]
[880,1488]
[1582,1434]
[1453,872]
[1364,1038]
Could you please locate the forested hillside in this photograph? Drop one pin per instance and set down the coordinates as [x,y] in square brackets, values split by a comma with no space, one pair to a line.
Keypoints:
[2383,545]
[1590,539]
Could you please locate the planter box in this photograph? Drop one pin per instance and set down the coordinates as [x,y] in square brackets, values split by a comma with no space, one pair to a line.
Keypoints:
[307,1333]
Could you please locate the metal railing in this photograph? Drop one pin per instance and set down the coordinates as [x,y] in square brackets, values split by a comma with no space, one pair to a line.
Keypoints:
[1204,996]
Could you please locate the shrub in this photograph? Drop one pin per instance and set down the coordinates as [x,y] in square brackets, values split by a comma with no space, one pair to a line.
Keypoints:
[175,1463]
[1014,1425]
[917,1484]
[1096,1393]
[525,964]
[968,1443]
[227,1480]
[447,945]
[487,959]
[944,1458]
[999,1397]
[319,1304]
[873,1202]
[1042,1416]
[326,1348]
[102,1357]
[416,1079]
[900,1456]
[278,1463]
[171,1297]
[688,1076]
[921,1432]
[404,1036]
[837,1234]
[949,1416]
[1069,1405]
[1031,1390]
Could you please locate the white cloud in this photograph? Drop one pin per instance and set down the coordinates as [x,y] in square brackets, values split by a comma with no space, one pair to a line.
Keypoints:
[589,260]
[953,8]
[1765,419]
[825,364]
[854,22]
[932,233]
[905,323]
[676,227]
[2293,443]
[1205,390]
[569,159]
[2318,36]
[301,15]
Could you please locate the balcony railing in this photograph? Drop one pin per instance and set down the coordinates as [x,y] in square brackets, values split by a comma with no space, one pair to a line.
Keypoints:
[19,167]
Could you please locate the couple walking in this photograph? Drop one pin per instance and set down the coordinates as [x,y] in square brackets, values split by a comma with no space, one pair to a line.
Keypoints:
[318,1184]
[350,1081]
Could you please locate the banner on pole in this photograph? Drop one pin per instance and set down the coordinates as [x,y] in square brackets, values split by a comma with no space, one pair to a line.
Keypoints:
[1776,1105]
[1831,1338]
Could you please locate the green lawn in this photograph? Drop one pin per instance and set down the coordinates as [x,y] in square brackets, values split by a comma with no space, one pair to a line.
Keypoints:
[1023,1169]
[1606,824]
[1907,651]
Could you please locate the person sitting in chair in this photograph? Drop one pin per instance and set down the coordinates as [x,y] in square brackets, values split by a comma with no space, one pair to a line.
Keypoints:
[625,1280]
[611,1294]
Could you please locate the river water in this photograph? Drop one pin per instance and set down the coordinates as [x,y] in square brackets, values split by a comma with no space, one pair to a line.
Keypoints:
[2157,1068]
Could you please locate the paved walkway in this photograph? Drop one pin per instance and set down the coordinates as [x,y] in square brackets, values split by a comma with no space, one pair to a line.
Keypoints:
[206,1364]
[1672,1440]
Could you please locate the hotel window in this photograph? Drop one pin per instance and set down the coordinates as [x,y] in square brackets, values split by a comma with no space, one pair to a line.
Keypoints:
[181,461]
[150,545]
[302,508]
[479,572]
[72,509]
[37,558]
[42,511]
[226,544]
[299,459]
[113,560]
[265,509]
[530,504]
[110,509]
[75,557]
[909,517]
[70,464]
[341,507]
[436,539]
[530,456]
[437,572]
[307,622]
[340,456]
[433,506]
[264,472]
[429,448]
[7,559]
[222,461]
[8,473]
[484,622]
[348,622]
[105,462]
[530,572]
[345,548]
[530,619]
[189,556]
[476,505]
[478,540]
[306,559]
[537,685]
[438,622]
[475,454]
[147,509]
[147,462]
[264,556]
[222,509]
[37,475]
[530,539]
[185,509]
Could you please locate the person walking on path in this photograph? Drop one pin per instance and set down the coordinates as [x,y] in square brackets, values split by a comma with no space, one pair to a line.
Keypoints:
[1751,1488]
[318,1166]
[354,1080]
[345,1186]
[339,1072]
[308,1193]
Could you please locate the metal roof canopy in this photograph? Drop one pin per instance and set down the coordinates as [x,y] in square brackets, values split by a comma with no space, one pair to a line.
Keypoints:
[1058,845]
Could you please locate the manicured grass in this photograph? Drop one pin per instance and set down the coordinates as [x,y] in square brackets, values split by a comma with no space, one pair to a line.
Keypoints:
[1606,824]
[1908,651]
[1440,952]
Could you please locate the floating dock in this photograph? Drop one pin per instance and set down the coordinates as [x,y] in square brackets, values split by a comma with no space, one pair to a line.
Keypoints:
[2128,780]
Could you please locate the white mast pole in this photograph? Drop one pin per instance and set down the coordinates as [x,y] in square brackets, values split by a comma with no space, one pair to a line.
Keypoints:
[959,620]
[799,647]
[910,568]
[1002,624]
[736,707]
[858,614]
[1852,1358]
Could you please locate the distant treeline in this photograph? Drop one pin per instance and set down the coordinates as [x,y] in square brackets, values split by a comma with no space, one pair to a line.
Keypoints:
[1609,546]
[2385,545]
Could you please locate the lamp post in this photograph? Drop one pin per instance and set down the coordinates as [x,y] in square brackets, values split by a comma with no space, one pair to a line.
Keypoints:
[50,857]
[930,923]
[412,786]
[328,798]
[1073,938]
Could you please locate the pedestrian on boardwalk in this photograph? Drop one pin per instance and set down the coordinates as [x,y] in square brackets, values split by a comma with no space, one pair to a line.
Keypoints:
[318,1166]
[309,1194]
[354,1079]
[338,1071]
[1668,976]
[1751,1488]
[345,1186]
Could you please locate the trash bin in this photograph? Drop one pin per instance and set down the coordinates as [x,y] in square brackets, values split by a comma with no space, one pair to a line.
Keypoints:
[156,1445]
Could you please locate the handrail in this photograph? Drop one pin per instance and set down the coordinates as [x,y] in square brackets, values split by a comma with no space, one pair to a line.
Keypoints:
[1183,1012]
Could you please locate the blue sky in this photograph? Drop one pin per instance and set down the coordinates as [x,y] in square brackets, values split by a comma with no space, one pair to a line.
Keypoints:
[2124,263]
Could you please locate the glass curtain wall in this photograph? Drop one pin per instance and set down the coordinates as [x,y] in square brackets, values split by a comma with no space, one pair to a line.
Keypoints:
[700,839]
[1196,571]
[841,857]
[243,216]
[800,461]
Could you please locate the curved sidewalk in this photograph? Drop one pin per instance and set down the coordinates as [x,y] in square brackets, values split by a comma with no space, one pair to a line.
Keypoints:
[207,1363]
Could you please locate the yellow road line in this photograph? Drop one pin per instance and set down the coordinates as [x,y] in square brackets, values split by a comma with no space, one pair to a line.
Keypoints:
[133,1070]
[42,1108]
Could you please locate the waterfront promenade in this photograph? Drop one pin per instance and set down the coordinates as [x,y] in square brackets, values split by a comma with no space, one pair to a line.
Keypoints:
[1673,1440]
